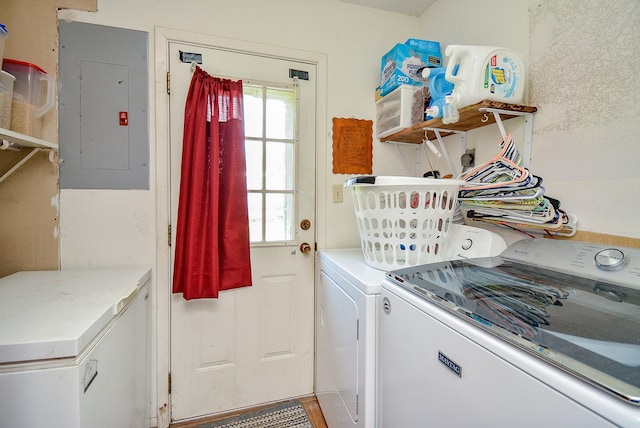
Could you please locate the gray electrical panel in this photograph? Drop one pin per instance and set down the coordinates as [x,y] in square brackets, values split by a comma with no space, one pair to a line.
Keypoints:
[103,107]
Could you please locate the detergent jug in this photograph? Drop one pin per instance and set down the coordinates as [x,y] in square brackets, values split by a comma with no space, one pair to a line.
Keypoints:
[435,109]
[439,88]
[483,73]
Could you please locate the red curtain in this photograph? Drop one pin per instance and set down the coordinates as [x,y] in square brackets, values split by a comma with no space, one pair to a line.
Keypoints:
[212,237]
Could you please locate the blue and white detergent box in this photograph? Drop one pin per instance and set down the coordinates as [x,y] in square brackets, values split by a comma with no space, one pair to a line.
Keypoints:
[400,64]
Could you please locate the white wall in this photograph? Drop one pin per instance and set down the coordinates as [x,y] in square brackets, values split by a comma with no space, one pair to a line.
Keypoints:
[466,22]
[583,64]
[584,78]
[94,223]
[583,60]
[584,131]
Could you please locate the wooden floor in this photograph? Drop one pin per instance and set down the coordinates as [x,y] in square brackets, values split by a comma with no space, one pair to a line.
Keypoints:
[310,405]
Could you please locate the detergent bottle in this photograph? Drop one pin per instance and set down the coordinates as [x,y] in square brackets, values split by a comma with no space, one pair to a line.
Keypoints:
[436,108]
[483,73]
[439,88]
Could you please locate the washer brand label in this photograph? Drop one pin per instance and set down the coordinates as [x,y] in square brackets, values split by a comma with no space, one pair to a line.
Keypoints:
[451,365]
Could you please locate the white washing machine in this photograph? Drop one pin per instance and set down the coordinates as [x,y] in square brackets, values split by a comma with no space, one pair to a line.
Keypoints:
[547,334]
[347,322]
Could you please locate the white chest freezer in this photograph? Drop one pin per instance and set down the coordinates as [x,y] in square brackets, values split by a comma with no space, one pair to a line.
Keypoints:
[74,348]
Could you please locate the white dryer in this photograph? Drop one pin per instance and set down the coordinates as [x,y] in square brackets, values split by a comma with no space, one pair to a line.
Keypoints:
[347,323]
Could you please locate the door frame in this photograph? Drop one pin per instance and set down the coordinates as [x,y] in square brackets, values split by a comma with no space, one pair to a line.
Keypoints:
[164,36]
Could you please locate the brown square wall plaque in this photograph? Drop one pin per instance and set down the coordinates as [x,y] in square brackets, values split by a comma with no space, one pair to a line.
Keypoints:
[352,146]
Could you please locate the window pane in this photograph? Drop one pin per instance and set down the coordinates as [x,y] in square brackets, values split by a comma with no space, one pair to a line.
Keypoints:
[280,113]
[279,174]
[253,150]
[279,214]
[252,111]
[270,129]
[254,201]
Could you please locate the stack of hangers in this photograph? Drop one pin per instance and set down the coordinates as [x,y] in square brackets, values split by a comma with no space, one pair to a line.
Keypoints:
[503,193]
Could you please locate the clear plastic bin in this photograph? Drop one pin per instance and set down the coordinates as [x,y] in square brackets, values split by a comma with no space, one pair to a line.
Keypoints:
[399,110]
[33,96]
[3,38]
[6,98]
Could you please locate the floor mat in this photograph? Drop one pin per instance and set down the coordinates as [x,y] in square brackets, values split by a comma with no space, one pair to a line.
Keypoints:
[286,415]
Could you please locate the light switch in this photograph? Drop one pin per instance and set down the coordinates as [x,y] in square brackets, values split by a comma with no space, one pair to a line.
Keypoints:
[336,193]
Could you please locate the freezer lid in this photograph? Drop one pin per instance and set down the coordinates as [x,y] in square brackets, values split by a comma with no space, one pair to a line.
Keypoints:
[47,315]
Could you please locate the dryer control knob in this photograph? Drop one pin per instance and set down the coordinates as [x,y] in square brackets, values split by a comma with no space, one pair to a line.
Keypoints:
[610,259]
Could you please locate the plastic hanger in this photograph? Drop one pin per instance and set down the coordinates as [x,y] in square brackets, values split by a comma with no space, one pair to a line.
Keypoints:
[500,171]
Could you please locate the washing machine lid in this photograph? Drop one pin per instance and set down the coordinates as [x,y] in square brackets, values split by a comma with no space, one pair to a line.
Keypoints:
[52,315]
[586,326]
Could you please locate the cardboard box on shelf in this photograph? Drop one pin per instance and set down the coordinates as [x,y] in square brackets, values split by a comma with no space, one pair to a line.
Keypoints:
[399,65]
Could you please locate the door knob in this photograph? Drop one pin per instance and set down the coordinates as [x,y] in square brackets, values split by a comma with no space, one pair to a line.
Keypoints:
[305,248]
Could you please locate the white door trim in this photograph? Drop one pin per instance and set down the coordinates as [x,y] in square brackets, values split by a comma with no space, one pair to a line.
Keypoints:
[163,36]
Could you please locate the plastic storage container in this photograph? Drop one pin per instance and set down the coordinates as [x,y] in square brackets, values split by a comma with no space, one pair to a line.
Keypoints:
[400,109]
[403,221]
[6,98]
[33,96]
[3,38]
[484,73]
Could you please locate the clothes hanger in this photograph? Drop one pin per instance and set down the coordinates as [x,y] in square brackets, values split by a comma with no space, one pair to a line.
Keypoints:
[500,171]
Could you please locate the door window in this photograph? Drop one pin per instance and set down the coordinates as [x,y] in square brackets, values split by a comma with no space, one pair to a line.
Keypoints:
[270,137]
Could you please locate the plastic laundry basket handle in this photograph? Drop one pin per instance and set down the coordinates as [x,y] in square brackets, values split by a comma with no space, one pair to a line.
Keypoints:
[51,96]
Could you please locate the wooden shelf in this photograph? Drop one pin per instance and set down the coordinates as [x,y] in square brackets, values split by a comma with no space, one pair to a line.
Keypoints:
[471,117]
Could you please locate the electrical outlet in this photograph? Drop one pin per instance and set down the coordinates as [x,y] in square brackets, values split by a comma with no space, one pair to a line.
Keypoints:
[468,159]
[336,192]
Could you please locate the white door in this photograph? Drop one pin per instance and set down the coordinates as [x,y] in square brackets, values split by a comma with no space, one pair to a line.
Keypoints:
[255,344]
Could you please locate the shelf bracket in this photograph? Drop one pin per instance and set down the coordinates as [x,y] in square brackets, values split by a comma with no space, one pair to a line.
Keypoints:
[437,131]
[528,129]
[11,140]
[463,135]
[7,145]
[54,157]
[405,165]
[20,163]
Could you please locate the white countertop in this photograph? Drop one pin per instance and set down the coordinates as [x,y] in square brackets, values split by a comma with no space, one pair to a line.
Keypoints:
[48,315]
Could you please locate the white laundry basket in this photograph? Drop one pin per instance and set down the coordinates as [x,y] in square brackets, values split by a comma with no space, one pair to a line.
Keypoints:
[403,221]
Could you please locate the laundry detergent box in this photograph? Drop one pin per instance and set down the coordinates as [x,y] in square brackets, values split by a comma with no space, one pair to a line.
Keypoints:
[400,64]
